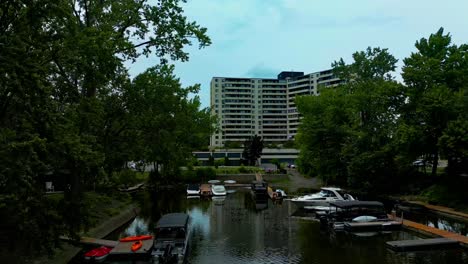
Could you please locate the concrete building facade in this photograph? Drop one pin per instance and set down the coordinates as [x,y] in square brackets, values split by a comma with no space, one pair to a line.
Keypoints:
[260,106]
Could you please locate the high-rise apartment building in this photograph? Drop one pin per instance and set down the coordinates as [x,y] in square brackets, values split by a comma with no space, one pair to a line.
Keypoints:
[265,107]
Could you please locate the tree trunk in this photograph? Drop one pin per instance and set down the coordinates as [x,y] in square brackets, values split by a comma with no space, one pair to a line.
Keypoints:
[435,162]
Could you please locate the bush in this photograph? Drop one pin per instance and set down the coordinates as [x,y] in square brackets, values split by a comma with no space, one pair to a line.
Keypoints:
[125,177]
[242,169]
[205,173]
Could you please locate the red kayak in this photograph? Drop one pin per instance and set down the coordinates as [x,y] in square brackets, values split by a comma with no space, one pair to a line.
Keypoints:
[135,238]
[98,254]
[137,245]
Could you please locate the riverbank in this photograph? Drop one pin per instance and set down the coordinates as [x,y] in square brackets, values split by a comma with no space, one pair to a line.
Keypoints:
[107,214]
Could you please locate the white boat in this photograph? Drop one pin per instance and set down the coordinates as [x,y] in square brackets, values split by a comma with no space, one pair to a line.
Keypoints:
[214,181]
[172,238]
[322,198]
[218,190]
[193,189]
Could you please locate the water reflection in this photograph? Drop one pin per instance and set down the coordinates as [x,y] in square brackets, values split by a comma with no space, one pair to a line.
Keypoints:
[438,221]
[240,229]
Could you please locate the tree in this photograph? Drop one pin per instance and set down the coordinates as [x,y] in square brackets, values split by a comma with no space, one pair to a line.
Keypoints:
[170,124]
[346,132]
[436,76]
[253,148]
[64,101]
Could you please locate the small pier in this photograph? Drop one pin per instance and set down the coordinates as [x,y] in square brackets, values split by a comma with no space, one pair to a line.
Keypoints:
[90,241]
[375,225]
[133,188]
[422,244]
[124,248]
[433,232]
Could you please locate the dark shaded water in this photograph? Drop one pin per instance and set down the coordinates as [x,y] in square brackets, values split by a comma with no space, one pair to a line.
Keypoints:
[239,230]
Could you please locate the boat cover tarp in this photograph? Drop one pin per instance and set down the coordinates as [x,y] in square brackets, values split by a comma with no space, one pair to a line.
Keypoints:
[350,204]
[173,220]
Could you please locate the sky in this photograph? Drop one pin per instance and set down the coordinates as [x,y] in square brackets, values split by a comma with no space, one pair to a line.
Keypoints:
[261,38]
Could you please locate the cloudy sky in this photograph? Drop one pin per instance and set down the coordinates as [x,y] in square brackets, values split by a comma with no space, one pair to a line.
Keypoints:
[260,38]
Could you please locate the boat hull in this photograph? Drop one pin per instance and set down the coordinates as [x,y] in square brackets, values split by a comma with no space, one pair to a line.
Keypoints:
[302,204]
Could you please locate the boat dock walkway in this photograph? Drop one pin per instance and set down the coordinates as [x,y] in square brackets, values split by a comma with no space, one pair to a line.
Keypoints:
[434,232]
[125,248]
[422,244]
[90,241]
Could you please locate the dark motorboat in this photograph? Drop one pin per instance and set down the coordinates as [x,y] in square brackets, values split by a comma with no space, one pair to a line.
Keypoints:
[259,189]
[193,190]
[172,236]
[358,216]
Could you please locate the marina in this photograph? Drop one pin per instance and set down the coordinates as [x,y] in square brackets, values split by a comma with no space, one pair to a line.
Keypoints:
[245,230]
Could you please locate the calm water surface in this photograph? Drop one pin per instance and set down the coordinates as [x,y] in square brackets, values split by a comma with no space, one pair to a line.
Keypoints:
[239,230]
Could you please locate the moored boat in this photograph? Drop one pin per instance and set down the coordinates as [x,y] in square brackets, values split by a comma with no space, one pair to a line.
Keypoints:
[358,216]
[193,189]
[322,198]
[172,236]
[277,194]
[218,190]
[259,189]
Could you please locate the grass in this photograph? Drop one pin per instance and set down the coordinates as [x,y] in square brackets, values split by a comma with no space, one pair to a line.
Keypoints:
[280,181]
[238,170]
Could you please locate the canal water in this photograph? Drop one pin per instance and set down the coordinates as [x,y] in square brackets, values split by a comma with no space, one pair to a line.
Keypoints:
[238,229]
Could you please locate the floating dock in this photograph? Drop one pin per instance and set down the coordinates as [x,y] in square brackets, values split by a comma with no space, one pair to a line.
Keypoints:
[376,225]
[90,241]
[422,244]
[434,232]
[124,248]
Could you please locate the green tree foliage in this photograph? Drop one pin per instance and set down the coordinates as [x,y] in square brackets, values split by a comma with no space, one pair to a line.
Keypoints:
[346,131]
[253,148]
[367,132]
[69,111]
[437,80]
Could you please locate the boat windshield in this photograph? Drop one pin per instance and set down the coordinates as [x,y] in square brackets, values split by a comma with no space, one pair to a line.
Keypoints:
[326,193]
[219,188]
[170,233]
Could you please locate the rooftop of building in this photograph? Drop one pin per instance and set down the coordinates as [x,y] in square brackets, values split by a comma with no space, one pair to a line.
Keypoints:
[281,76]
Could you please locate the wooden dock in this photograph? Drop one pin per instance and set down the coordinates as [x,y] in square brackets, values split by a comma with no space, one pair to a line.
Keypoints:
[258,177]
[434,232]
[422,244]
[89,241]
[124,248]
[376,225]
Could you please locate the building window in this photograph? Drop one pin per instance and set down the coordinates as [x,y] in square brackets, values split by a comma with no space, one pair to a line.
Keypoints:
[216,85]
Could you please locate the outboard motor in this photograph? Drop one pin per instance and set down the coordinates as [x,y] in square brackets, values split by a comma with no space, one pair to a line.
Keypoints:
[167,256]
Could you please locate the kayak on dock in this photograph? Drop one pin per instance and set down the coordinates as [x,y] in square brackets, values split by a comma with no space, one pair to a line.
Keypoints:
[98,254]
[135,238]
[137,245]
